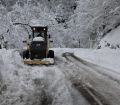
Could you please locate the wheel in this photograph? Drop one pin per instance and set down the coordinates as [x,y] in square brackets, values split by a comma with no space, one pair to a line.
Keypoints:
[26,54]
[31,56]
[51,54]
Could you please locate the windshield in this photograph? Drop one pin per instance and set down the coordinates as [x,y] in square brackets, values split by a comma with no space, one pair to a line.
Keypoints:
[39,34]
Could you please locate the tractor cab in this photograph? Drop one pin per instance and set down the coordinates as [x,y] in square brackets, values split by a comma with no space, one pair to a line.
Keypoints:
[39,33]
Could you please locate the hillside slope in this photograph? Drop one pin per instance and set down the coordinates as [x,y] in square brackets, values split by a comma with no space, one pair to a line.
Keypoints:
[112,39]
[108,54]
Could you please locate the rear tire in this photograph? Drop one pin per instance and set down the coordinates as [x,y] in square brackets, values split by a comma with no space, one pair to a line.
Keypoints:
[26,54]
[51,54]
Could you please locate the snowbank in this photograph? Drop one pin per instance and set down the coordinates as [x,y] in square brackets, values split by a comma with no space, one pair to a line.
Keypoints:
[28,85]
[104,57]
[108,54]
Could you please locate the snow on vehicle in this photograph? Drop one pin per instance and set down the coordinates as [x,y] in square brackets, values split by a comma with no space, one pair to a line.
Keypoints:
[36,48]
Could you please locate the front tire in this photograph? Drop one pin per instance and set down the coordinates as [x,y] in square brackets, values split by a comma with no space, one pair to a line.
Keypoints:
[31,56]
[26,54]
[51,54]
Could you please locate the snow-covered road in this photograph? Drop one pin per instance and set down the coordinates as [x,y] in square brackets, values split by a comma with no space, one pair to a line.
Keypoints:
[102,82]
[71,81]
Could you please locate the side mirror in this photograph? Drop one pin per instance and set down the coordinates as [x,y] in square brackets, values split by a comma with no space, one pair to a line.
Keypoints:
[29,36]
[49,36]
[51,41]
[24,41]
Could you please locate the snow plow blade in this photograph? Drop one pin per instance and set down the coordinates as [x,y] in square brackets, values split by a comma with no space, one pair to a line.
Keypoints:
[38,62]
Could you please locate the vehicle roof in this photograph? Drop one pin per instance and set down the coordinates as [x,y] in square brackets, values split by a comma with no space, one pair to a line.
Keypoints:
[39,28]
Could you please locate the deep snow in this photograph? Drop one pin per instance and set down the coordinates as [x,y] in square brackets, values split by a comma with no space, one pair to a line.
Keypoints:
[28,85]
[104,57]
[22,84]
[109,53]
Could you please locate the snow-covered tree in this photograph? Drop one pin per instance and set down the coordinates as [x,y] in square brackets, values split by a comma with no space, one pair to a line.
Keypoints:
[68,20]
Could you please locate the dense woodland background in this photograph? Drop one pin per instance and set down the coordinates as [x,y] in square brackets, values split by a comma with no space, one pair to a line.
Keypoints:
[72,23]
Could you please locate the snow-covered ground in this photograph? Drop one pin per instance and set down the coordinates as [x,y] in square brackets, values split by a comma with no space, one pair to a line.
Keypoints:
[109,53]
[104,57]
[28,85]
[22,84]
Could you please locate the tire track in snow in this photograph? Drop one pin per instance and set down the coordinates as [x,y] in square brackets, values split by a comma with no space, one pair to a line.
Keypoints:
[98,69]
[31,92]
[93,97]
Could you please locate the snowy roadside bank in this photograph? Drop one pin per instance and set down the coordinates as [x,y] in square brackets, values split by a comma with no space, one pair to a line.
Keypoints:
[105,57]
[31,84]
[28,85]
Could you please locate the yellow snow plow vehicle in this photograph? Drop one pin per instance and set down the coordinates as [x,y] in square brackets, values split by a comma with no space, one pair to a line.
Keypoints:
[36,49]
